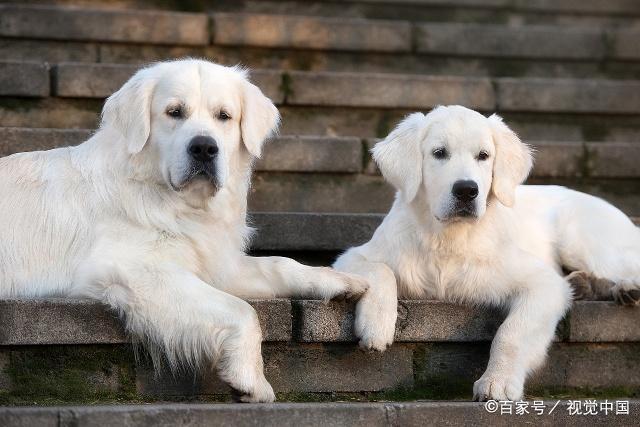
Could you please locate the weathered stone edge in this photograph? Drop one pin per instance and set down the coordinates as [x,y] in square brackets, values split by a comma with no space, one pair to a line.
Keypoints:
[554,159]
[64,321]
[378,414]
[401,29]
[295,88]
[76,321]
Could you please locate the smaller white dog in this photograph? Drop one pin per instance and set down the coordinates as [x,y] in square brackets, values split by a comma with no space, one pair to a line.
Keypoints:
[463,229]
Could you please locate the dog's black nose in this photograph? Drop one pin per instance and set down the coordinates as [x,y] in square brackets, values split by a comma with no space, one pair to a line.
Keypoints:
[203,148]
[465,190]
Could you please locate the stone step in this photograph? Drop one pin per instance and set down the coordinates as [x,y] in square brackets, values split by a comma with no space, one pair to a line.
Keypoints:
[336,174]
[55,33]
[55,112]
[549,412]
[70,351]
[72,321]
[372,90]
[504,11]
[363,104]
[446,63]
[87,24]
[358,193]
[308,32]
[323,154]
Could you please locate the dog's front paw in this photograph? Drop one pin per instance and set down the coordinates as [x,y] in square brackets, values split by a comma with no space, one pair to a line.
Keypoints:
[343,285]
[498,387]
[626,293]
[261,393]
[376,322]
[580,282]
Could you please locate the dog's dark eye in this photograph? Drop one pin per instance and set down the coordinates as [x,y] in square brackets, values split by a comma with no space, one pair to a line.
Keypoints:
[175,112]
[224,116]
[440,153]
[483,155]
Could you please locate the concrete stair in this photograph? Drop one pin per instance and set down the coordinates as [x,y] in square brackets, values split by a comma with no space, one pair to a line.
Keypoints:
[75,351]
[305,414]
[336,174]
[305,41]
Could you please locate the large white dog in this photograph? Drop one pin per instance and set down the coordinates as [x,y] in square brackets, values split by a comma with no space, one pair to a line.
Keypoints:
[148,216]
[462,229]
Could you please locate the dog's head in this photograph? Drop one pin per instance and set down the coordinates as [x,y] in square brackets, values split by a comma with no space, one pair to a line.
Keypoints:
[456,160]
[187,121]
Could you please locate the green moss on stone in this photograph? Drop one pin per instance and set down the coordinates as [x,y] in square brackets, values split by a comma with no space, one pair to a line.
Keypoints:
[56,374]
[582,392]
[286,87]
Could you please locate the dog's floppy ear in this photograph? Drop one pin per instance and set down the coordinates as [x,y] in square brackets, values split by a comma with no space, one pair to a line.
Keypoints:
[260,118]
[129,110]
[399,155]
[512,163]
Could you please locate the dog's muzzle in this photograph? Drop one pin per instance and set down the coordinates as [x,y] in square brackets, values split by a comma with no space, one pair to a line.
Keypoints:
[464,193]
[203,153]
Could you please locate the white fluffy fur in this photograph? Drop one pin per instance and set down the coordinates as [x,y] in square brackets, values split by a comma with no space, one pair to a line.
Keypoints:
[114,219]
[510,254]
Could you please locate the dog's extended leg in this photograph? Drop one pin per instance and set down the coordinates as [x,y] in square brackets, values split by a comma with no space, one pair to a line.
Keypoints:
[284,277]
[377,310]
[601,246]
[191,322]
[587,286]
[520,345]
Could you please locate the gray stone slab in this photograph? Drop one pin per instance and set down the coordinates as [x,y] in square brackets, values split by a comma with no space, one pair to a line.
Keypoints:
[29,417]
[625,44]
[431,321]
[58,321]
[337,414]
[66,23]
[627,7]
[510,41]
[6,383]
[51,112]
[568,95]
[282,154]
[312,154]
[312,231]
[18,140]
[339,368]
[603,322]
[81,80]
[439,321]
[591,366]
[69,321]
[388,90]
[24,79]
[294,368]
[310,32]
[371,167]
[614,160]
[455,364]
[275,318]
[270,82]
[13,49]
[319,193]
[228,415]
[469,413]
[558,159]
[76,80]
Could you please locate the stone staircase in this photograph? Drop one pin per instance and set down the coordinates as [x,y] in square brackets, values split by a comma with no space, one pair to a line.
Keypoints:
[60,350]
[564,74]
